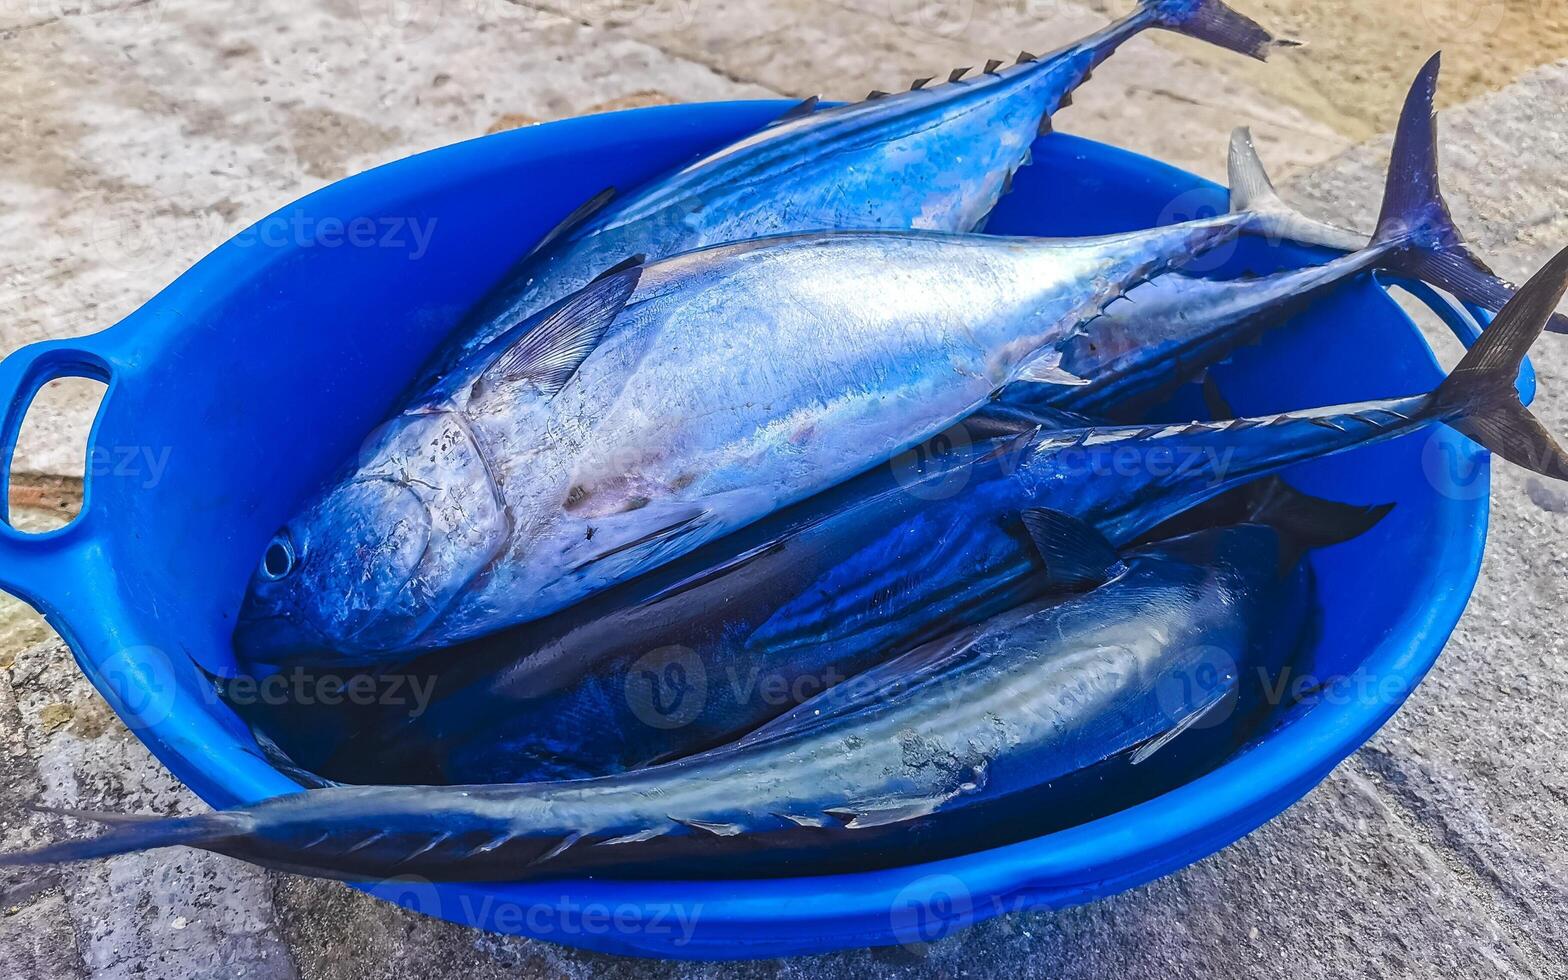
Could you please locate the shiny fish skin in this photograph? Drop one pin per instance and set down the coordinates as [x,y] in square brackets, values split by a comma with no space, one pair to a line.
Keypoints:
[1176,466]
[1176,325]
[936,158]
[818,592]
[728,383]
[1039,719]
[819,792]
[1142,351]
[648,463]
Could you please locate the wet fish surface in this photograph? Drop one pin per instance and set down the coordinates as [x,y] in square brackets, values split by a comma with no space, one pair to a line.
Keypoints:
[667,405]
[1042,717]
[888,559]
[936,157]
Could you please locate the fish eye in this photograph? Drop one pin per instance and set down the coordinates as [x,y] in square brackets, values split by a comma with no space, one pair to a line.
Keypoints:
[279,558]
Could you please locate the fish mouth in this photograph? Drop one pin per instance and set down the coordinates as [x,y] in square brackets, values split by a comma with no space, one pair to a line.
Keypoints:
[267,636]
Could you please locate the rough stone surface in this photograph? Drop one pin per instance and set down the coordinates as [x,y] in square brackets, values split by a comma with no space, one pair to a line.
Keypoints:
[143,135]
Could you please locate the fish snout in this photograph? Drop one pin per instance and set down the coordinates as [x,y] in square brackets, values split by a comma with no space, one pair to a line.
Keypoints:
[336,582]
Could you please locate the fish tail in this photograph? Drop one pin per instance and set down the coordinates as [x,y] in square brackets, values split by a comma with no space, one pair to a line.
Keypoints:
[1480,397]
[1416,228]
[1212,21]
[135,832]
[1252,192]
[1206,20]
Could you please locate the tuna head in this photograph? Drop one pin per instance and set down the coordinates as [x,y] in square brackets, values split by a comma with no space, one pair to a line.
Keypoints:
[373,561]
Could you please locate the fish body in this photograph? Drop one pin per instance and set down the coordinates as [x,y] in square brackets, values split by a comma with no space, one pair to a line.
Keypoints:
[1176,325]
[905,767]
[936,158]
[1173,327]
[667,405]
[940,555]
[709,647]
[1039,718]
[670,403]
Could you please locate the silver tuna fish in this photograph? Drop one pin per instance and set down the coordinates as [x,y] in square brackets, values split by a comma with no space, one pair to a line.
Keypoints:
[666,405]
[935,158]
[836,789]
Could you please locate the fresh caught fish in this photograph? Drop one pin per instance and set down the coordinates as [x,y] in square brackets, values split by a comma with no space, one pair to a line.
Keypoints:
[935,158]
[938,159]
[822,589]
[1440,256]
[1177,325]
[670,403]
[704,650]
[805,791]
[1038,719]
[666,405]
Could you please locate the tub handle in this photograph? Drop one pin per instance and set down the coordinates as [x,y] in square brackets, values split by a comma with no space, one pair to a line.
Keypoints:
[27,560]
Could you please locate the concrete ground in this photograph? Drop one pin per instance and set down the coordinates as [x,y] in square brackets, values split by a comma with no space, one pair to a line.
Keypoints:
[141,134]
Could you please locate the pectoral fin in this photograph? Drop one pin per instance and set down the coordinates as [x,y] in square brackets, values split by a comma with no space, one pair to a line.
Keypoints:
[580,214]
[549,352]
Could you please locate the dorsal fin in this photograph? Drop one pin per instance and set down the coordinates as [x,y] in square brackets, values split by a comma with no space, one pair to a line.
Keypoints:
[876,93]
[804,107]
[992,65]
[958,73]
[551,350]
[1025,57]
[581,213]
[1076,555]
[1251,189]
[920,83]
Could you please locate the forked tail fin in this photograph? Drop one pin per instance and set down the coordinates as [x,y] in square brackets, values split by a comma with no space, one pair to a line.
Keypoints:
[1416,235]
[1251,191]
[135,832]
[1212,21]
[1415,224]
[1480,398]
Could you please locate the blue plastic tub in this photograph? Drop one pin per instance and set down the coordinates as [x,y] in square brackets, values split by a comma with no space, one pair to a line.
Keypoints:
[265,364]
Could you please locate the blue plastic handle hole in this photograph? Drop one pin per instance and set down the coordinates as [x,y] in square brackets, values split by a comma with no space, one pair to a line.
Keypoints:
[45,491]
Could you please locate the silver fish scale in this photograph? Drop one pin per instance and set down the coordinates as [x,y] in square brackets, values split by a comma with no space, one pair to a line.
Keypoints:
[738,380]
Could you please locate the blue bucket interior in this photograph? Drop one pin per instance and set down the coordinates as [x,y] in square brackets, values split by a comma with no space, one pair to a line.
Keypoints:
[264,366]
